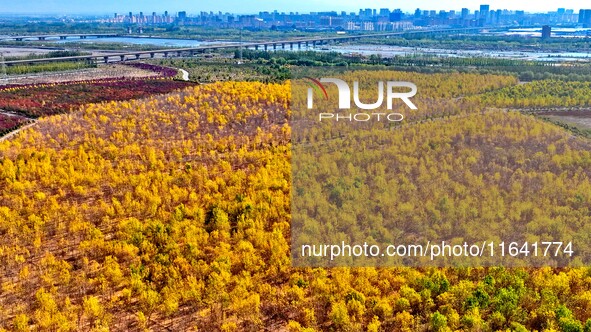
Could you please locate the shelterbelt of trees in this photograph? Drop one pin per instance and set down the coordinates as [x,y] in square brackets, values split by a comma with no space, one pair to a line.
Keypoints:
[173,213]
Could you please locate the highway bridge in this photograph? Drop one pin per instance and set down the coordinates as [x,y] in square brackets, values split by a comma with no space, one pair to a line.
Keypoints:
[266,45]
[59,36]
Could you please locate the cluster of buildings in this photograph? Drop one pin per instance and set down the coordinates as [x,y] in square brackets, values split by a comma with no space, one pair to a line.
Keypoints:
[140,18]
[368,19]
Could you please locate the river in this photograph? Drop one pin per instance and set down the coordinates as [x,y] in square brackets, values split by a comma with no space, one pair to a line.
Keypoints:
[164,42]
[382,50]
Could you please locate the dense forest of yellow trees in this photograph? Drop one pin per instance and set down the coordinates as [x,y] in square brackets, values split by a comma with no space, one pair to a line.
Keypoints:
[540,94]
[455,170]
[173,213]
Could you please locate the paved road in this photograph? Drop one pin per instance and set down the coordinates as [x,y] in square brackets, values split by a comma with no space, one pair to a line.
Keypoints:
[14,132]
[185,74]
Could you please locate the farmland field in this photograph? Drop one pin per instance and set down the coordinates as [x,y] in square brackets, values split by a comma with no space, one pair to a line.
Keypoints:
[101,72]
[10,121]
[61,93]
[49,99]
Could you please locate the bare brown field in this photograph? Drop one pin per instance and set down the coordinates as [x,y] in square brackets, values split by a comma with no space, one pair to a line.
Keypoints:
[581,119]
[107,71]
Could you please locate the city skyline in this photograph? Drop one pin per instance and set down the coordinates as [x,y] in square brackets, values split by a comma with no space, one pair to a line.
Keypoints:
[239,7]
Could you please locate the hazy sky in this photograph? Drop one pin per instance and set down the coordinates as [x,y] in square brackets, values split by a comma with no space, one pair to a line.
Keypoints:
[241,6]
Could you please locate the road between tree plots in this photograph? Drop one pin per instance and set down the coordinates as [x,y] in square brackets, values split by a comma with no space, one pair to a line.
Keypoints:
[14,132]
[185,74]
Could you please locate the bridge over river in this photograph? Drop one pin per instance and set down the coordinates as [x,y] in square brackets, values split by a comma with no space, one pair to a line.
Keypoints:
[191,51]
[60,36]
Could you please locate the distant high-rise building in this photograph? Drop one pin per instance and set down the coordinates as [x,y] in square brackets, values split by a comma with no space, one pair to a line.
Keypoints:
[484,14]
[417,13]
[585,17]
[520,16]
[182,15]
[364,12]
[465,13]
[384,11]
[368,26]
[496,16]
[546,32]
[396,15]
[560,11]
